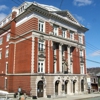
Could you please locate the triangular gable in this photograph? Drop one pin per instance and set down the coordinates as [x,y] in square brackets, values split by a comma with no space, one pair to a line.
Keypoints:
[68,15]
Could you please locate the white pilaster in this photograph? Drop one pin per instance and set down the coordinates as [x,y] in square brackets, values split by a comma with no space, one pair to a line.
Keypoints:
[14,58]
[68,49]
[60,58]
[32,56]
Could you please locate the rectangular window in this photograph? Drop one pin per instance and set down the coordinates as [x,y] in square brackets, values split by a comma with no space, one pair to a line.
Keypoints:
[41,26]
[7,53]
[41,46]
[5,83]
[6,67]
[82,69]
[1,39]
[55,30]
[80,39]
[55,70]
[41,66]
[64,33]
[8,37]
[72,36]
[0,55]
[81,53]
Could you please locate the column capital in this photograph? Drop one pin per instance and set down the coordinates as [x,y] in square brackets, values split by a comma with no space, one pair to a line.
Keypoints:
[69,46]
[61,43]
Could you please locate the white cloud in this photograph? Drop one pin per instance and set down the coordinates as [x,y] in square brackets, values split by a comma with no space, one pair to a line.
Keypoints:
[79,18]
[96,53]
[2,16]
[3,7]
[82,2]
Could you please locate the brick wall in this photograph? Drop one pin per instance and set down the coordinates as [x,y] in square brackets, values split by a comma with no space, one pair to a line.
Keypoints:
[76,63]
[15,81]
[23,56]
[27,26]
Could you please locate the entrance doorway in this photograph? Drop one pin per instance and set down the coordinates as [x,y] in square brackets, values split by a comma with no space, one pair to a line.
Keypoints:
[66,83]
[74,86]
[56,87]
[40,89]
[82,85]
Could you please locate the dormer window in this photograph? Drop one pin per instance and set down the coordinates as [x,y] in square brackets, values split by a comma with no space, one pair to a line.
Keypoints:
[55,30]
[21,9]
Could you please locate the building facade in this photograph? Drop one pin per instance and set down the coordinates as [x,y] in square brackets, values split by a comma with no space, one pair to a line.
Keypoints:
[92,81]
[42,50]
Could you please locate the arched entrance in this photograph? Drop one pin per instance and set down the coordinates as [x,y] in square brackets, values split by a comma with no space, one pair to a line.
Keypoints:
[56,87]
[40,89]
[82,85]
[74,86]
[66,84]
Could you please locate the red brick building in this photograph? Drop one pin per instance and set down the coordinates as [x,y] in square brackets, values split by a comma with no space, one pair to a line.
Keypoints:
[42,50]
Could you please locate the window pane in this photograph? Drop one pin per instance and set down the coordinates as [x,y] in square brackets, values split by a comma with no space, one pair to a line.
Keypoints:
[41,67]
[38,67]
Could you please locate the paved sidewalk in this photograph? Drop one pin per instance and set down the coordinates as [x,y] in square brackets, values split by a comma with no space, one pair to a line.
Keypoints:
[71,97]
[68,97]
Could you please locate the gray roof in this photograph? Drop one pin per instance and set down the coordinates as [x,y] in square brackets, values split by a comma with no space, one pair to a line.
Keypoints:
[98,74]
[48,7]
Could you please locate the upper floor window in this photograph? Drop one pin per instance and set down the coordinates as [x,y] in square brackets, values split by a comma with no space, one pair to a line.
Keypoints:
[82,69]
[21,9]
[8,37]
[41,26]
[64,33]
[6,67]
[7,53]
[80,39]
[41,46]
[1,40]
[41,66]
[55,30]
[81,53]
[0,54]
[71,36]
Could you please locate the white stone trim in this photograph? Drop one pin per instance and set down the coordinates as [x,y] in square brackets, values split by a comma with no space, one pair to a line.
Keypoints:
[48,56]
[32,56]
[0,48]
[5,33]
[60,58]
[7,46]
[14,57]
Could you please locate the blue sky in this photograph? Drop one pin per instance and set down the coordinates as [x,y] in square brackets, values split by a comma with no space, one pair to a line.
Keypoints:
[87,12]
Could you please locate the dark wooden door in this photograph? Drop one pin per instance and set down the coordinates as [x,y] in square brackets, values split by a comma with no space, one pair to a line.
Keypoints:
[56,87]
[66,87]
[73,87]
[40,89]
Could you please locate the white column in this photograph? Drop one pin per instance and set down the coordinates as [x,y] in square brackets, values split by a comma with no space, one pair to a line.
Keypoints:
[32,56]
[60,58]
[68,49]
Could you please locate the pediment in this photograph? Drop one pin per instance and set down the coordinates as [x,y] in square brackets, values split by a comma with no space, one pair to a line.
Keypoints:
[67,15]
